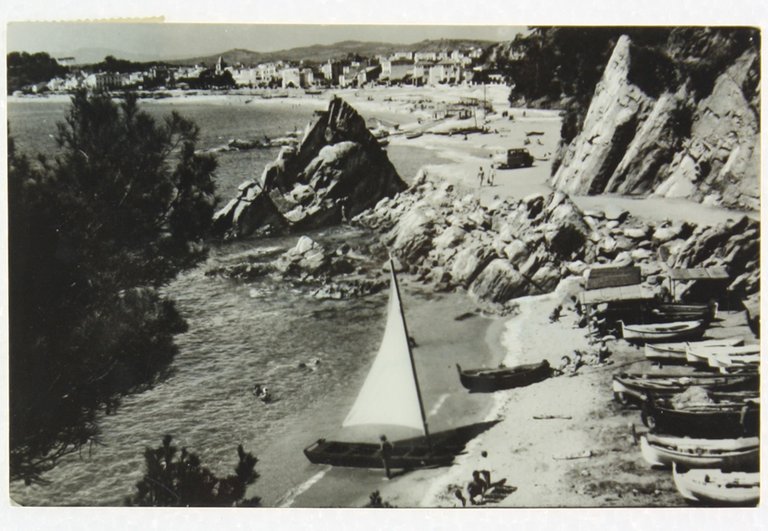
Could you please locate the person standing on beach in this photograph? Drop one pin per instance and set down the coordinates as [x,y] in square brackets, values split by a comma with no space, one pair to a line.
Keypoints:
[481,176]
[386,453]
[491,175]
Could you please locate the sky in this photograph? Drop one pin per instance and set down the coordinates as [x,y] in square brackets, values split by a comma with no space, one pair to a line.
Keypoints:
[168,41]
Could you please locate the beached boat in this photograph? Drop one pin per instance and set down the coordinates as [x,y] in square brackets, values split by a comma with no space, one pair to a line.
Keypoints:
[727,365]
[707,420]
[678,331]
[638,387]
[390,396]
[414,134]
[701,354]
[489,380]
[675,352]
[732,454]
[670,312]
[718,487]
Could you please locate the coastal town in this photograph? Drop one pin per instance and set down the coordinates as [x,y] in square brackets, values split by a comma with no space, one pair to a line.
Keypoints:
[445,67]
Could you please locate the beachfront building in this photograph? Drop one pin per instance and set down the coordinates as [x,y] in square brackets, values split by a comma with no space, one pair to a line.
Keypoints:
[396,70]
[291,77]
[190,71]
[367,75]
[245,77]
[420,74]
[444,72]
[307,78]
[104,81]
[268,72]
[331,71]
[407,56]
[424,57]
[348,77]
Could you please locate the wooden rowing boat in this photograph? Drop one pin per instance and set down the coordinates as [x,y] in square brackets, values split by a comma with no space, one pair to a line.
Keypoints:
[718,487]
[663,451]
[489,380]
[706,420]
[678,331]
[701,354]
[638,387]
[675,352]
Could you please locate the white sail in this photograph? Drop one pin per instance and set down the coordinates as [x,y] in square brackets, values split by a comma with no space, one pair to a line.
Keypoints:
[389,394]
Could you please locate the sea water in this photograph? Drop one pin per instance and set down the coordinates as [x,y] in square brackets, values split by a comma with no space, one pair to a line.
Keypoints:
[240,333]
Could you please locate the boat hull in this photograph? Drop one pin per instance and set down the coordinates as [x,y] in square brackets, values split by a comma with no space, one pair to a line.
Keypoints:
[676,352]
[368,455]
[639,387]
[679,331]
[691,453]
[717,487]
[490,380]
[711,422]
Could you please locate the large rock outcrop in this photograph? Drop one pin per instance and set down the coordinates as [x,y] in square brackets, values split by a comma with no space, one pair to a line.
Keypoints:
[663,133]
[337,171]
[511,249]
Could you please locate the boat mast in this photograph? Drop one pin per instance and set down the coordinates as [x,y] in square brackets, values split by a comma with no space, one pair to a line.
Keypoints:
[410,353]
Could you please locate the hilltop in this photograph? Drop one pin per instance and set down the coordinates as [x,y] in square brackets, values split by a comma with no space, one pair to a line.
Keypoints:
[324,52]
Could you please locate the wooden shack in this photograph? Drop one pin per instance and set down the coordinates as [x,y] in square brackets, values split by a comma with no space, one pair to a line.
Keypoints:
[710,283]
[610,276]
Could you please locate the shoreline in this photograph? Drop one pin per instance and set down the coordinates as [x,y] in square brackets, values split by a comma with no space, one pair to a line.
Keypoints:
[442,342]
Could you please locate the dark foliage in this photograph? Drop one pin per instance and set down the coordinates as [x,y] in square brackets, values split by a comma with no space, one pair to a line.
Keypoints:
[375,501]
[556,62]
[118,211]
[174,479]
[652,70]
[208,79]
[26,69]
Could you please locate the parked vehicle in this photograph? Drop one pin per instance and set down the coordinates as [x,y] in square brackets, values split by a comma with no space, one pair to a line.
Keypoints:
[517,158]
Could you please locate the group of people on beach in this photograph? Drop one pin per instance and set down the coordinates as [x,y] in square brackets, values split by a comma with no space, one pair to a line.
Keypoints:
[476,488]
[490,178]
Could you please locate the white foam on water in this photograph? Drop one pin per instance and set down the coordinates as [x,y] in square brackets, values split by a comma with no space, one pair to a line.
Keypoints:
[289,497]
[438,405]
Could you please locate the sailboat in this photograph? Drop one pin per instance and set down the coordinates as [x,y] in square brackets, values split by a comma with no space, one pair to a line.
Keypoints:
[390,396]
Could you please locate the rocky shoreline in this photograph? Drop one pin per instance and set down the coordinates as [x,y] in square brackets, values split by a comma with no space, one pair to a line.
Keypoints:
[511,249]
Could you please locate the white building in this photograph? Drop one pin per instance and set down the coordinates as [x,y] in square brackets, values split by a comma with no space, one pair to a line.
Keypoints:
[246,77]
[291,77]
[423,57]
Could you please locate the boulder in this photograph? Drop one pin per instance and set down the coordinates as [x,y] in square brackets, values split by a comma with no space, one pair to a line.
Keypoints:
[469,262]
[338,171]
[636,233]
[499,282]
[413,235]
[615,213]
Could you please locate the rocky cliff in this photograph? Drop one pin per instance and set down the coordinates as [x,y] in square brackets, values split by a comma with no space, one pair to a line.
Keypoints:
[680,121]
[520,248]
[337,171]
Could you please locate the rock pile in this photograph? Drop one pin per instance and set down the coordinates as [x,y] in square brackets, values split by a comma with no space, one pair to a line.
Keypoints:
[521,248]
[337,171]
[329,274]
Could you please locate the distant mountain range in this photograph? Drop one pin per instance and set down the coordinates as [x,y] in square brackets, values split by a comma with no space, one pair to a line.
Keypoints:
[322,52]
